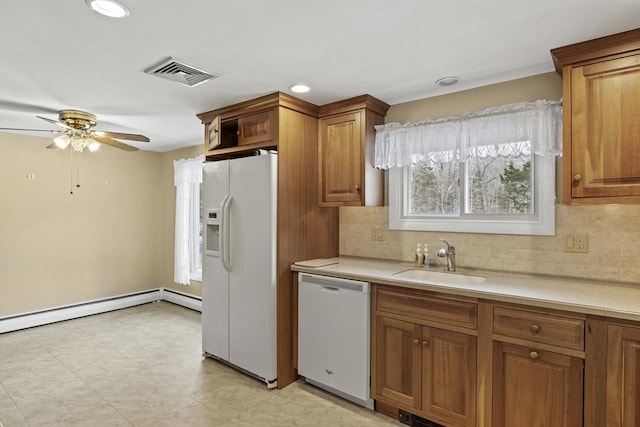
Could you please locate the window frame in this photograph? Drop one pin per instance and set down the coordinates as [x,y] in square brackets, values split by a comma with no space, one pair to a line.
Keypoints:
[540,223]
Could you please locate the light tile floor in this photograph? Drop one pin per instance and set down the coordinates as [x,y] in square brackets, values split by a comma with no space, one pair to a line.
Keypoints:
[142,366]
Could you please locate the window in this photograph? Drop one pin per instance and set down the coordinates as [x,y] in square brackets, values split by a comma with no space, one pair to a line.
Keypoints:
[483,173]
[188,225]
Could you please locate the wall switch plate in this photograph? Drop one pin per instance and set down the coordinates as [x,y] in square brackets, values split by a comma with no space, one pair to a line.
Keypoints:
[377,233]
[577,242]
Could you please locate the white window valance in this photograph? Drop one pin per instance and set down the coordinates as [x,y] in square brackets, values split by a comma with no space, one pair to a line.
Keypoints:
[188,171]
[539,122]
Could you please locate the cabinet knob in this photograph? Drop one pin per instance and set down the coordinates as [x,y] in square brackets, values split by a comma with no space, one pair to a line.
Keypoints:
[425,343]
[533,355]
[534,328]
[357,188]
[577,178]
[416,341]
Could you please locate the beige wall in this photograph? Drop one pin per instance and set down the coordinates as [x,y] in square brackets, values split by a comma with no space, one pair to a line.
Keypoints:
[57,248]
[614,230]
[114,236]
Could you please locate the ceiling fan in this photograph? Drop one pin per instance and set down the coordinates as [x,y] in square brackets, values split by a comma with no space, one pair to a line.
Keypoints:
[79,133]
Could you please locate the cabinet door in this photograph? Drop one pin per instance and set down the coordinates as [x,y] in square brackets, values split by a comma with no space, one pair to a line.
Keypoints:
[605,128]
[623,376]
[340,159]
[212,135]
[257,128]
[398,361]
[536,388]
[449,377]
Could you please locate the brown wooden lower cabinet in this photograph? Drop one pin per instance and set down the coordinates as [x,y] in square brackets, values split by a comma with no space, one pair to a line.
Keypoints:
[535,387]
[428,371]
[509,366]
[623,376]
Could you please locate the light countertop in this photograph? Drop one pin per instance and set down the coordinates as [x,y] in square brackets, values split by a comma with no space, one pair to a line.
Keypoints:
[614,300]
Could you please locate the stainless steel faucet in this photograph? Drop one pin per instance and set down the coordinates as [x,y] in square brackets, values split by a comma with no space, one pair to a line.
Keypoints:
[450,253]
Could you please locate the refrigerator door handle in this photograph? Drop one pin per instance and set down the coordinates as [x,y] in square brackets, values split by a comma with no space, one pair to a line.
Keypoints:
[225,254]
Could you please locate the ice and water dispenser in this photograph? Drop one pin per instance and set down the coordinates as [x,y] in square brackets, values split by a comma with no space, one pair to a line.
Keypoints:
[213,232]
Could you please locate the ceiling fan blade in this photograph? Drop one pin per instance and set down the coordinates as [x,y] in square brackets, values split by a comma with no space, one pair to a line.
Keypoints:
[55,122]
[118,135]
[114,143]
[52,145]
[26,108]
[33,130]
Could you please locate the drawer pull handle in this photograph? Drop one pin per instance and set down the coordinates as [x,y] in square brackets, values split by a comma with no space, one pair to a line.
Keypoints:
[534,328]
[416,341]
[425,343]
[533,355]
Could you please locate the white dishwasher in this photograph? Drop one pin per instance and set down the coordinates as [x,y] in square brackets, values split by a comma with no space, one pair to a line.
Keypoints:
[333,335]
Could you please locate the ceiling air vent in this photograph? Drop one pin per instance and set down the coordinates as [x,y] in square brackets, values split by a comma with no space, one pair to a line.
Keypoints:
[169,69]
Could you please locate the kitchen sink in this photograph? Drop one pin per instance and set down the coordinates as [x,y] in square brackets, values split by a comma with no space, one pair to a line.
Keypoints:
[439,277]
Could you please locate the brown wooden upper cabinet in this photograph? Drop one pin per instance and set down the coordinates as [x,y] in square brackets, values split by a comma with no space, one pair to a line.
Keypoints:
[240,134]
[601,91]
[241,129]
[346,137]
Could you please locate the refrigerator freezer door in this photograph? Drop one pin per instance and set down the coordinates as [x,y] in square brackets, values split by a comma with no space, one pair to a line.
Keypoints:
[215,279]
[252,285]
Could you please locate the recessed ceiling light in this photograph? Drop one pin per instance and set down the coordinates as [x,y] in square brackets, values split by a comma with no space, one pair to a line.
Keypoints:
[448,81]
[299,88]
[110,8]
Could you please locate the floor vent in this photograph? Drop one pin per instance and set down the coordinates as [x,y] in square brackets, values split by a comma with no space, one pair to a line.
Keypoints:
[413,420]
[176,71]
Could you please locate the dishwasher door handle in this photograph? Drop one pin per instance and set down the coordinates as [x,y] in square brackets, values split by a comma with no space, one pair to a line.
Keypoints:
[329,289]
[333,283]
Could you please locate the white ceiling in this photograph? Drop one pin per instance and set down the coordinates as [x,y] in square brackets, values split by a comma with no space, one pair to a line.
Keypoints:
[58,54]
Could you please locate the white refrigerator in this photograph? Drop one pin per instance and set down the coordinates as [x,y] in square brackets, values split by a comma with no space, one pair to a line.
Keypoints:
[239,264]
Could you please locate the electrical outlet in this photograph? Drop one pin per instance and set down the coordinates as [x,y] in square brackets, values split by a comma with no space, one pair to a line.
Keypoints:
[577,242]
[377,233]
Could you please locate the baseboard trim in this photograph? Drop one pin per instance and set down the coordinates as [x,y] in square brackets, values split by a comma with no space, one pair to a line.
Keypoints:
[58,314]
[181,298]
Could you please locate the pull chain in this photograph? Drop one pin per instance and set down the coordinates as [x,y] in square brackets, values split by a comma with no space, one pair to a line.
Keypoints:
[77,171]
[71,173]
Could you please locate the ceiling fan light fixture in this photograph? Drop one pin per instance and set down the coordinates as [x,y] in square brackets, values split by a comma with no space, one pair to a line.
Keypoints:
[78,141]
[62,141]
[93,146]
[110,8]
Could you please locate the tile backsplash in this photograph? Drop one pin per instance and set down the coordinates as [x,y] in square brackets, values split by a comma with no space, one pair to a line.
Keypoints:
[613,233]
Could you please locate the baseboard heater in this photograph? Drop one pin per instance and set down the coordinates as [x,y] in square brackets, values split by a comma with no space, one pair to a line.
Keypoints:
[74,311]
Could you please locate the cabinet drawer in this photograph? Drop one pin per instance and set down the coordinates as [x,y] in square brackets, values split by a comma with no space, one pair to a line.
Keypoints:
[420,305]
[544,328]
